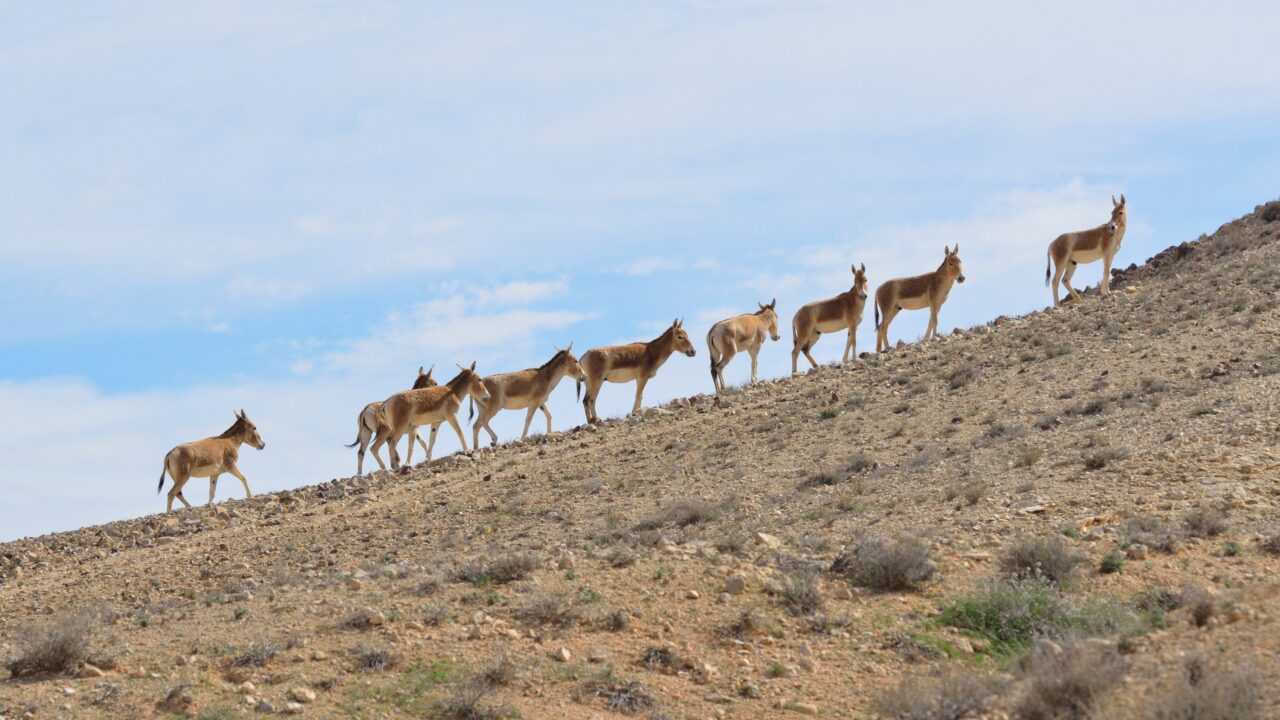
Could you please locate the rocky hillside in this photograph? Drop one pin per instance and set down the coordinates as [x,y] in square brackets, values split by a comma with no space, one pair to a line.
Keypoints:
[1069,514]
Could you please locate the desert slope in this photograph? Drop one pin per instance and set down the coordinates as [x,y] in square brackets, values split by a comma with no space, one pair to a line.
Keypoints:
[684,564]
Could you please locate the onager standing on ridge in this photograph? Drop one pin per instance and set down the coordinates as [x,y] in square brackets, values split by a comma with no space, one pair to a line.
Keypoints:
[371,419]
[633,361]
[831,315]
[727,337]
[209,458]
[526,389]
[407,410]
[916,293]
[1071,249]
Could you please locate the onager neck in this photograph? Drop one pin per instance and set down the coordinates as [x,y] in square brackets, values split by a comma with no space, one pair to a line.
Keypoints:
[458,385]
[235,433]
[662,346]
[554,369]
[942,278]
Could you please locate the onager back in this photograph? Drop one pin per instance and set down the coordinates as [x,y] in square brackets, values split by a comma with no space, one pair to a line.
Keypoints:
[844,311]
[727,337]
[526,389]
[371,419]
[1070,249]
[916,293]
[407,410]
[209,458]
[633,361]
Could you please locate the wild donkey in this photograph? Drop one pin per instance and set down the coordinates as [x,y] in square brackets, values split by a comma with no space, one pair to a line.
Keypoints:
[526,389]
[407,410]
[727,337]
[831,315]
[209,458]
[916,293]
[1071,249]
[633,361]
[371,419]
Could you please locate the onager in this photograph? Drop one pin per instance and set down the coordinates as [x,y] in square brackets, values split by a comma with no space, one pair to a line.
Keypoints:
[831,315]
[1070,249]
[727,337]
[371,419]
[633,361]
[526,389]
[916,293]
[408,410]
[209,458]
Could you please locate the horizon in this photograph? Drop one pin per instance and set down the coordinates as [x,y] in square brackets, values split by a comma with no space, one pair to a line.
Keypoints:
[290,209]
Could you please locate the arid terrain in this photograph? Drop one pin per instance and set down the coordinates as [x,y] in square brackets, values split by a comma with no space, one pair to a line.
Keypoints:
[1067,514]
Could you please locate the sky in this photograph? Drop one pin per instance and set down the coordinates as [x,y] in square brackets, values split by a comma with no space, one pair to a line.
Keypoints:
[288,207]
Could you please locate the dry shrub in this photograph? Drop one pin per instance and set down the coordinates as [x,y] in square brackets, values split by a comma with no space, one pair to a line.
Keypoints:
[1205,522]
[1153,532]
[621,695]
[1270,543]
[801,592]
[548,608]
[512,566]
[469,701]
[621,557]
[56,646]
[1200,603]
[953,695]
[1203,692]
[1047,558]
[255,655]
[500,672]
[904,563]
[680,513]
[1067,682]
[368,657]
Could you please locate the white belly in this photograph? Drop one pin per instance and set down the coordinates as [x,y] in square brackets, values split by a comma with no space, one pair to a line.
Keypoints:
[622,376]
[1081,257]
[915,303]
[205,471]
[830,326]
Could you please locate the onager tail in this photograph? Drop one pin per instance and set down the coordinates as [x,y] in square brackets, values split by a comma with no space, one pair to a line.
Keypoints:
[877,315]
[354,443]
[577,390]
[1048,262]
[471,408]
[162,472]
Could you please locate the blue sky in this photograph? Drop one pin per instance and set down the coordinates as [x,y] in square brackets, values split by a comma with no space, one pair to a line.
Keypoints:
[290,207]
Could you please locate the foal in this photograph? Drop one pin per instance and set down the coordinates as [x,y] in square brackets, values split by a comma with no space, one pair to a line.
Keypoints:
[525,389]
[371,419]
[916,293]
[831,315]
[209,458]
[1086,246]
[727,337]
[633,361]
[407,410]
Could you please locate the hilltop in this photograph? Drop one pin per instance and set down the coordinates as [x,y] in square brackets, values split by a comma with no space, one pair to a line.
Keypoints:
[796,547]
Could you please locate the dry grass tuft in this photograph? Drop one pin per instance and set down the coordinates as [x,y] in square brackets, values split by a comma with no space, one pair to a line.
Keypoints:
[904,563]
[1205,522]
[681,513]
[1047,558]
[56,646]
[548,608]
[953,695]
[1067,682]
[368,657]
[1203,692]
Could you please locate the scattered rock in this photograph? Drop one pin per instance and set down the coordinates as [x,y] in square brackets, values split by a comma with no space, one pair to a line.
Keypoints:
[769,541]
[303,695]
[692,595]
[735,584]
[1136,551]
[562,655]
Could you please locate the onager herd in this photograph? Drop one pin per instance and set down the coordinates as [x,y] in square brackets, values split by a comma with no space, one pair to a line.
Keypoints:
[426,403]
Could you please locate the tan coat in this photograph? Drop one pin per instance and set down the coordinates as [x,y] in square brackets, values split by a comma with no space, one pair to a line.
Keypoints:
[842,312]
[1071,249]
[633,361]
[916,293]
[525,390]
[209,458]
[371,418]
[744,332]
[408,410]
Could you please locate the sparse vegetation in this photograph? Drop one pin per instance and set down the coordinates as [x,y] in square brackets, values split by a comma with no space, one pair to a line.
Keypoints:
[1068,682]
[58,645]
[904,563]
[1047,558]
[801,592]
[1205,522]
[1112,562]
[1153,532]
[953,695]
[1012,614]
[1205,692]
[255,655]
[680,513]
[548,608]
[624,695]
[369,657]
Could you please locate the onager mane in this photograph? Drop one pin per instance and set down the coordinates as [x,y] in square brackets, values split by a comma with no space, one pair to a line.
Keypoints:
[236,430]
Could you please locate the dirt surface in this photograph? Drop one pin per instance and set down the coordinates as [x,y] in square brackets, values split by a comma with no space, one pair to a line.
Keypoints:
[679,564]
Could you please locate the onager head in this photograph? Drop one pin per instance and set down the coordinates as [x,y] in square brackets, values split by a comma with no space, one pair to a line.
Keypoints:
[769,314]
[471,384]
[680,338]
[1117,214]
[572,368]
[245,431]
[952,263]
[424,379]
[859,281]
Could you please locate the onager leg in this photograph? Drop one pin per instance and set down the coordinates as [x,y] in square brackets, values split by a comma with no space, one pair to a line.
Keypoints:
[932,330]
[418,437]
[1058,270]
[1106,275]
[213,485]
[714,352]
[179,479]
[431,445]
[453,423]
[807,345]
[236,471]
[725,357]
[408,458]
[482,421]
[528,419]
[1066,281]
[889,314]
[850,349]
[545,411]
[754,351]
[589,400]
[640,383]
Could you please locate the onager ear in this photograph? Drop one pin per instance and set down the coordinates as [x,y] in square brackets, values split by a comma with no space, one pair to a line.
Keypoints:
[473,366]
[570,348]
[430,370]
[420,372]
[1121,199]
[957,250]
[863,268]
[1113,202]
[773,303]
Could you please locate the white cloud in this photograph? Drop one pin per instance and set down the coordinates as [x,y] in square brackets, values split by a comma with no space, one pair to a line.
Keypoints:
[646,266]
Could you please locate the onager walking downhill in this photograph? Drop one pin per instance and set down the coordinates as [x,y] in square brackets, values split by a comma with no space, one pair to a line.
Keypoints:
[633,361]
[209,458]
[1070,249]
[371,419]
[526,389]
[407,410]
[916,293]
[727,337]
[831,315]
